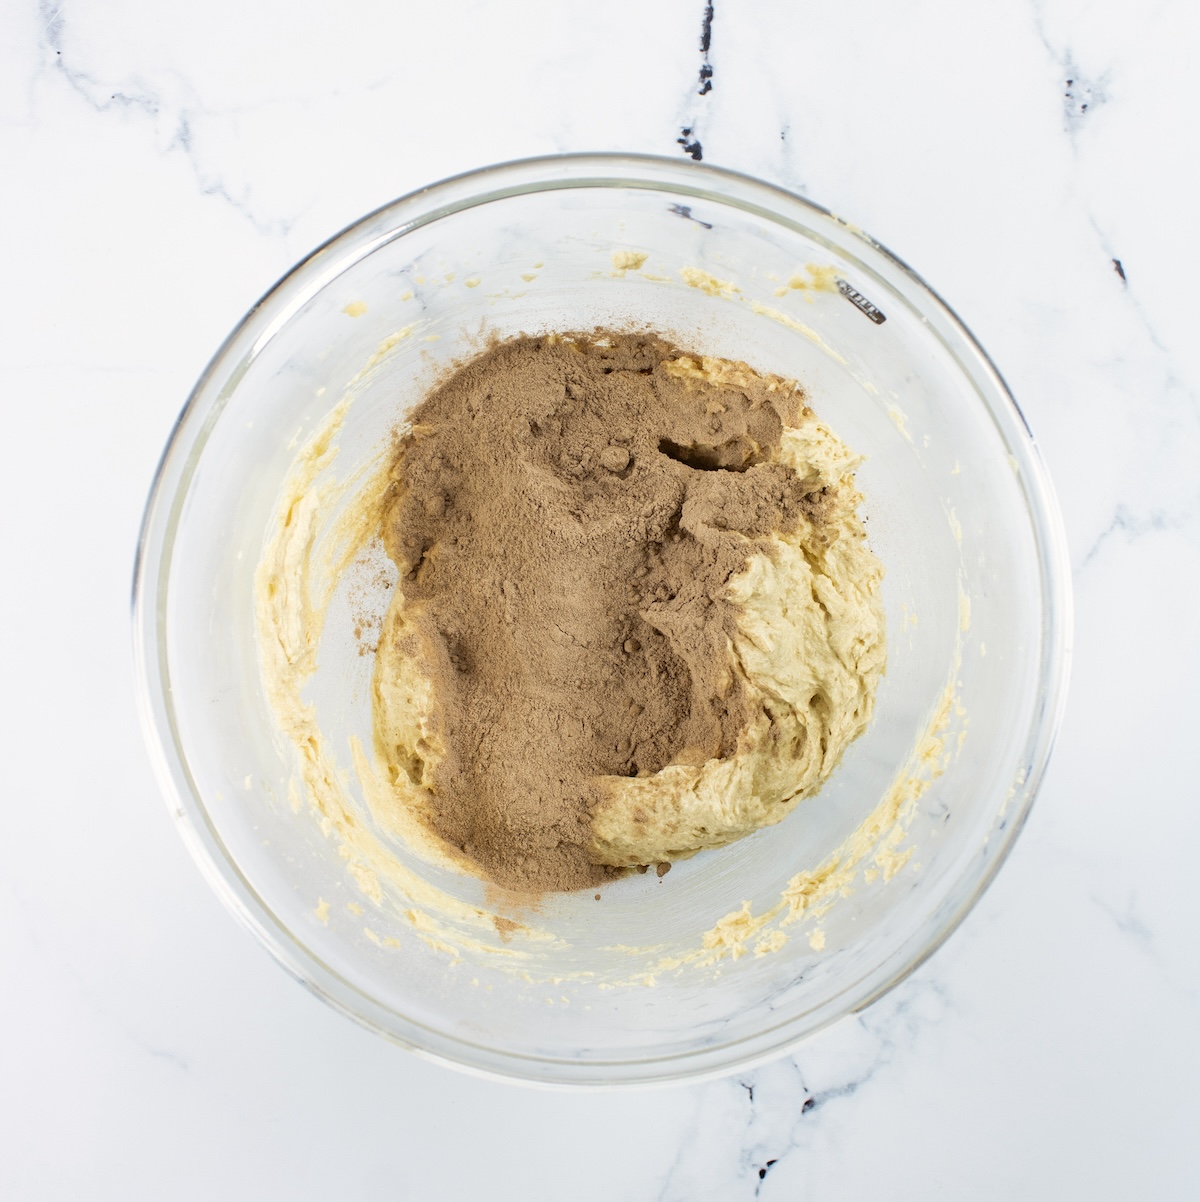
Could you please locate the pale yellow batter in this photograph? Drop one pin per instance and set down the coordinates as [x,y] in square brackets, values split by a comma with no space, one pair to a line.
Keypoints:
[812,626]
[809,651]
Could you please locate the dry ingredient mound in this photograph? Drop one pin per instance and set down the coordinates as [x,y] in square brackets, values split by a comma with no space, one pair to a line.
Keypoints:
[570,517]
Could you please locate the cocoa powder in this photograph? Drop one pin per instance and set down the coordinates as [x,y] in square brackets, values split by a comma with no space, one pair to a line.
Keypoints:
[565,514]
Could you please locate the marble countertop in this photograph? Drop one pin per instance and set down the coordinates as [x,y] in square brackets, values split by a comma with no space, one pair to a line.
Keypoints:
[1034,159]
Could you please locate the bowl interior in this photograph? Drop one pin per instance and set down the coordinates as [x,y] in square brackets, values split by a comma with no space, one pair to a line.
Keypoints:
[955,510]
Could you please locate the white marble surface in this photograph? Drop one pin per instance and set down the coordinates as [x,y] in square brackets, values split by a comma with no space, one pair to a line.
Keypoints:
[163,164]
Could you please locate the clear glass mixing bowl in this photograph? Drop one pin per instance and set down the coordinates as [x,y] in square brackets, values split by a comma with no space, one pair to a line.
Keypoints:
[959,510]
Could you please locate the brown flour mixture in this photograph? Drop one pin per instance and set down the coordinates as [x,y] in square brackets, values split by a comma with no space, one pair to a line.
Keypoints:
[566,514]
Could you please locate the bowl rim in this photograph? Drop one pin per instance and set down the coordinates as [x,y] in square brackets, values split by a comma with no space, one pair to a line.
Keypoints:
[185,444]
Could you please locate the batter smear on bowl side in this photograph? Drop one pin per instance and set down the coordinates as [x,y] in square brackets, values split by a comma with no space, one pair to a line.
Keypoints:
[636,615]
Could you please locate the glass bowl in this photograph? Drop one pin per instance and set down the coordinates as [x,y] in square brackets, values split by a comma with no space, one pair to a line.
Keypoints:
[738,953]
